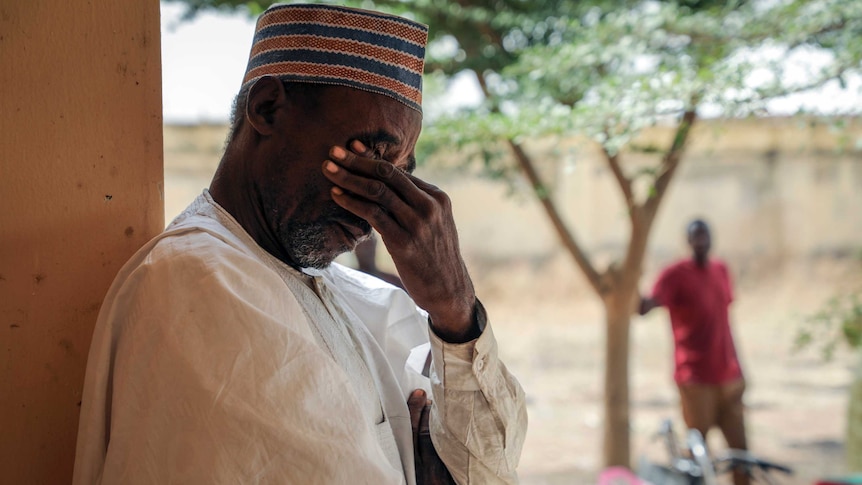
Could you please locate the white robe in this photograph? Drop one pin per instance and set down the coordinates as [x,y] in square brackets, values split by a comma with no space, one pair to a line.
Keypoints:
[214,363]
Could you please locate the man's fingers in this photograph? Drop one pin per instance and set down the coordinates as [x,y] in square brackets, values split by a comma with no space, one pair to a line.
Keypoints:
[359,148]
[424,419]
[372,189]
[379,218]
[371,199]
[415,403]
[400,183]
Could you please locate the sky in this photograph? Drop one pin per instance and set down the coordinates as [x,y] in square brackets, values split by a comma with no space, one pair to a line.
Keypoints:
[203,62]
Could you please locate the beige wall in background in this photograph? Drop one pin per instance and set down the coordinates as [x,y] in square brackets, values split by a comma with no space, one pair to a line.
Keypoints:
[81,185]
[773,190]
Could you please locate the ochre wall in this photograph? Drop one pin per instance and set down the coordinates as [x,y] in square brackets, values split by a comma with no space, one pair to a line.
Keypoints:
[80,185]
[774,189]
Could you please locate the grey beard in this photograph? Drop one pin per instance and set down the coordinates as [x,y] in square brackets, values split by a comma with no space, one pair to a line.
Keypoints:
[307,245]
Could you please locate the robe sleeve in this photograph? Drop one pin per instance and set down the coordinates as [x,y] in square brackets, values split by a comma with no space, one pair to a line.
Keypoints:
[478,417]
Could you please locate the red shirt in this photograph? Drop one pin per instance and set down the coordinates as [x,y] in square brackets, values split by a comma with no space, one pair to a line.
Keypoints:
[698,300]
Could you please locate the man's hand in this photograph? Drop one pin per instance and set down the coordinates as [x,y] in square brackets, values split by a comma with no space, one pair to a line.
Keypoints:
[647,304]
[430,470]
[414,219]
[420,411]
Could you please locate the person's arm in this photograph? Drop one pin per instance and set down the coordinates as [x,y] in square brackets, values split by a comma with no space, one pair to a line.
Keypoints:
[415,221]
[647,304]
[478,419]
[662,292]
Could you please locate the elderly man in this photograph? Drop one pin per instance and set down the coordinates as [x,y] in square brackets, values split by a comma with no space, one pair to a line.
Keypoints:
[230,349]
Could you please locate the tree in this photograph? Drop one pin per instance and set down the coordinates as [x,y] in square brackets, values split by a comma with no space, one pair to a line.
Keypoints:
[605,70]
[615,72]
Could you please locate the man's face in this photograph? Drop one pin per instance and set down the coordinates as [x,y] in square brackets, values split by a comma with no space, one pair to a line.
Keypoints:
[295,196]
[700,241]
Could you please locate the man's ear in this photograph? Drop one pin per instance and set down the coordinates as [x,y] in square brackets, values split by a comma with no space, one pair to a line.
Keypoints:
[265,97]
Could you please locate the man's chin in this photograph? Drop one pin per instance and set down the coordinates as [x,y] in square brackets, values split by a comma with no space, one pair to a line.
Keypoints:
[317,246]
[318,259]
[322,258]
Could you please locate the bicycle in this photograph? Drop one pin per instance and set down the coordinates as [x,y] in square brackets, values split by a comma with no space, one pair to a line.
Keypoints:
[694,466]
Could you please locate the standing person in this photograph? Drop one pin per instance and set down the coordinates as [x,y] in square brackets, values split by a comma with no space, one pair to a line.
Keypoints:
[697,292]
[230,349]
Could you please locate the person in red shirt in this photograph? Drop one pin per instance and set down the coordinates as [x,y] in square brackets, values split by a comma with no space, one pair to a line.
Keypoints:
[697,293]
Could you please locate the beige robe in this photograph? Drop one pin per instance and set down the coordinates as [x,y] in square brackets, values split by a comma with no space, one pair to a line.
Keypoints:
[214,363]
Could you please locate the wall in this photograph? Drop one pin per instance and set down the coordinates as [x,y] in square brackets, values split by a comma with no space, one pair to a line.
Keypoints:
[773,190]
[80,181]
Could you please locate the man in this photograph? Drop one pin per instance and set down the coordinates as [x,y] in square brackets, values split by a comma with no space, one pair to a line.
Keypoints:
[230,350]
[697,292]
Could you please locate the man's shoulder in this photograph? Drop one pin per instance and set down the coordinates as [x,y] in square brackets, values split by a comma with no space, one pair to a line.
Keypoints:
[194,268]
[675,268]
[186,248]
[192,242]
[202,226]
[195,249]
[720,268]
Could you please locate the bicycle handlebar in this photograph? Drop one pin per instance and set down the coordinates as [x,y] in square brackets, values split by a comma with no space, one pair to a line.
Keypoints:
[738,458]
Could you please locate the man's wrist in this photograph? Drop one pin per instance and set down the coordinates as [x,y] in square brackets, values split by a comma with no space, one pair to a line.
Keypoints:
[455,330]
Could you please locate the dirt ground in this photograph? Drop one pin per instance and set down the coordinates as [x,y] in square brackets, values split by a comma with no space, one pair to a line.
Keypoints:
[550,331]
[551,338]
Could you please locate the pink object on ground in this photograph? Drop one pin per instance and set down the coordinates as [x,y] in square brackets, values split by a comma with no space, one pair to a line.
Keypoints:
[618,475]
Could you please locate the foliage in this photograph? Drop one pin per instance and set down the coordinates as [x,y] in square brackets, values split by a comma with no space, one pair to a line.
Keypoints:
[606,69]
[608,74]
[837,323]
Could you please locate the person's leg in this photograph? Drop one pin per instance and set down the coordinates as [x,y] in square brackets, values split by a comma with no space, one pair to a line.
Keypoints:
[731,421]
[699,404]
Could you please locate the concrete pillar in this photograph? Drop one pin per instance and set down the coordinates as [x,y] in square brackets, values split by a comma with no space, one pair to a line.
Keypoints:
[81,190]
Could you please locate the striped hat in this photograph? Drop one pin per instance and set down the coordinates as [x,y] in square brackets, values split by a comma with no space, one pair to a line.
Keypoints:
[326,44]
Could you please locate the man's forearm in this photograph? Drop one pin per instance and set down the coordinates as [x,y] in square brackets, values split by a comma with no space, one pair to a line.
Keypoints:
[479,418]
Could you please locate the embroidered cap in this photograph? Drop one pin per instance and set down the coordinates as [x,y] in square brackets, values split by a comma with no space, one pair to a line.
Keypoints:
[327,44]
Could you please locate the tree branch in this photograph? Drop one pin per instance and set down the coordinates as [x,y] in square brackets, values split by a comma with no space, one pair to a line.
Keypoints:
[643,216]
[802,88]
[670,161]
[753,38]
[624,182]
[566,237]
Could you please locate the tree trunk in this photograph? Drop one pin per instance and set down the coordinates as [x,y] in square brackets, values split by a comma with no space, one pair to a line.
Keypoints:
[854,420]
[616,427]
